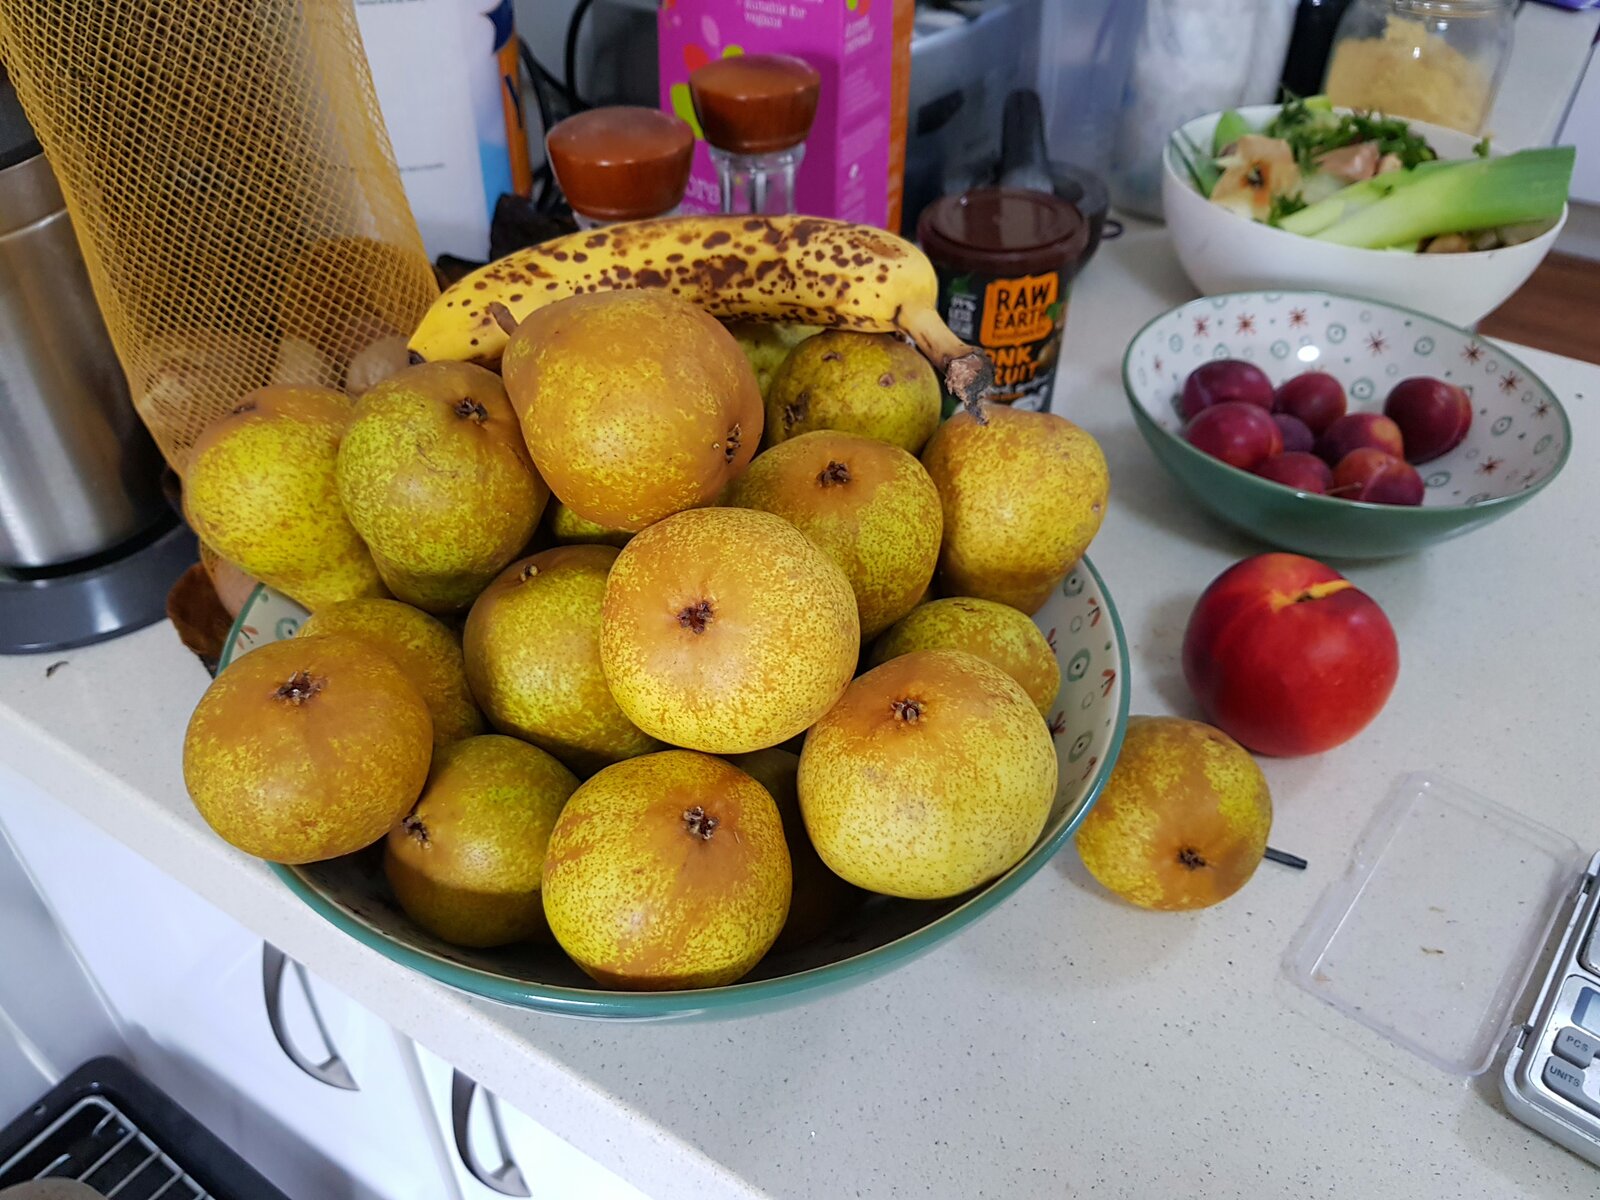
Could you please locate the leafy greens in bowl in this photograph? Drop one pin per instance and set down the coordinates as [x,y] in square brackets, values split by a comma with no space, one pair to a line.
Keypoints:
[1371,181]
[1224,250]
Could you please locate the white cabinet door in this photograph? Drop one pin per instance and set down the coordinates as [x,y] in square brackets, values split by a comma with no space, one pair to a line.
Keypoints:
[189,985]
[502,1152]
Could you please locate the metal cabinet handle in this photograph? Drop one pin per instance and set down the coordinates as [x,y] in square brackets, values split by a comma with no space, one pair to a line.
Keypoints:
[333,1072]
[507,1177]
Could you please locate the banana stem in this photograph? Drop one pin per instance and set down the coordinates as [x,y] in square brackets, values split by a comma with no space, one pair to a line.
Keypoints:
[967,371]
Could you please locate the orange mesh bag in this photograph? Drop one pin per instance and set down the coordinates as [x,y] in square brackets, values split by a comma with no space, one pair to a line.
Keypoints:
[233,189]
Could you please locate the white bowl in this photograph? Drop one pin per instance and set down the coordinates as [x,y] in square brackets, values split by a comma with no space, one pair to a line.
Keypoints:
[1224,252]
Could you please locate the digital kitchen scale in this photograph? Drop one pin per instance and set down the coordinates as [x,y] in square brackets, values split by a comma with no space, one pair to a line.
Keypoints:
[1431,937]
[1551,1079]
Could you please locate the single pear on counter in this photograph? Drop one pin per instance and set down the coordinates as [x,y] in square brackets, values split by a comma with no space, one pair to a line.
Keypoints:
[262,490]
[1023,495]
[425,649]
[307,749]
[532,646]
[467,862]
[435,476]
[872,384]
[820,898]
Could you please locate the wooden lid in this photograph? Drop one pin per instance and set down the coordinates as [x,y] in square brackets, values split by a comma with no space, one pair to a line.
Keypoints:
[755,103]
[621,163]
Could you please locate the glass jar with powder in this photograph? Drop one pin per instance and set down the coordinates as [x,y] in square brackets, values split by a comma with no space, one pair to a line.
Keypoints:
[1431,60]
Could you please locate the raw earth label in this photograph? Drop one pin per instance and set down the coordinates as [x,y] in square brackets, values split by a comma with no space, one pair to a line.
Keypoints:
[1018,321]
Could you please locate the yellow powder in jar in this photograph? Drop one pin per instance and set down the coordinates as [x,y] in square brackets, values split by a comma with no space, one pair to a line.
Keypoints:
[1409,72]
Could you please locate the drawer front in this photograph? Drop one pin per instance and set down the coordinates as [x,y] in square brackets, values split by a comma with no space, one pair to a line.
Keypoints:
[501,1152]
[189,986]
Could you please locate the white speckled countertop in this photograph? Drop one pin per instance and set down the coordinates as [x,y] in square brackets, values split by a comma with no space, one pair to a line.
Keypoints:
[1067,1044]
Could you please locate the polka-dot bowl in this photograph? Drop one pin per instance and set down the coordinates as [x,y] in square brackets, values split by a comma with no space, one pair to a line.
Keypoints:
[1519,440]
[1086,723]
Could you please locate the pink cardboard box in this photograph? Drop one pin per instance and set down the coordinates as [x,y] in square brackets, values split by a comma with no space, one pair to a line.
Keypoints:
[845,173]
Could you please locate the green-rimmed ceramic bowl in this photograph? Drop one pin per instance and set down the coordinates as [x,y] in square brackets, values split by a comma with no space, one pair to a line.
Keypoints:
[1519,440]
[1088,722]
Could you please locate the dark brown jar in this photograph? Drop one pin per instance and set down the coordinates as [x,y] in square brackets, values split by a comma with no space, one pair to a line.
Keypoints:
[1006,258]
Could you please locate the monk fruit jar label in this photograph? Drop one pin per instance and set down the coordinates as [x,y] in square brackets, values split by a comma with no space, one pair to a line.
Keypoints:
[1005,259]
[1017,322]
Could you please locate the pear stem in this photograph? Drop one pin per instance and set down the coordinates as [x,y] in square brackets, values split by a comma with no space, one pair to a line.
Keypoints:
[299,688]
[909,711]
[1192,858]
[699,823]
[833,473]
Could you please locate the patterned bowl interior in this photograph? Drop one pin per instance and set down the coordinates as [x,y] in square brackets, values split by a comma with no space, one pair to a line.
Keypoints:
[1519,435]
[1087,723]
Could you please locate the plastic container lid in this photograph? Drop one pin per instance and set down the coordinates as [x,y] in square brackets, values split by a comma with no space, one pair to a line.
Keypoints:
[621,163]
[1004,231]
[1412,944]
[755,103]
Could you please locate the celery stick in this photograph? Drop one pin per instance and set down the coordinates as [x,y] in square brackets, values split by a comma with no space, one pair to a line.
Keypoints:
[1457,196]
[1230,128]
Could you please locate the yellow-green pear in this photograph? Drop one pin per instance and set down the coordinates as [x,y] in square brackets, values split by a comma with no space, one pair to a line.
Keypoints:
[425,649]
[996,633]
[766,345]
[307,749]
[467,862]
[934,774]
[872,384]
[1023,495]
[262,490]
[532,646]
[667,871]
[867,505]
[435,476]
[820,898]
[569,529]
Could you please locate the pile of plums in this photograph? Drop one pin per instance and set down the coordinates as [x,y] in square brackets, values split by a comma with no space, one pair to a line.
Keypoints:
[1300,434]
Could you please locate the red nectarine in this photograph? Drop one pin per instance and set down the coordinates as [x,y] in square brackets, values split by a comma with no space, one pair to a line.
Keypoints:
[1288,656]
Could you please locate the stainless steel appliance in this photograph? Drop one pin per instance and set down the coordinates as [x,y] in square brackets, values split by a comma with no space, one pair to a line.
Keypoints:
[88,544]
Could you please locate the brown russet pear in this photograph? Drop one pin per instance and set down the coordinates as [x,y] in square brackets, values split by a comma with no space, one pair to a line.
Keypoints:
[262,490]
[934,774]
[867,505]
[532,646]
[667,871]
[876,385]
[435,477]
[820,898]
[307,749]
[467,861]
[996,633]
[726,630]
[635,404]
[425,649]
[1023,493]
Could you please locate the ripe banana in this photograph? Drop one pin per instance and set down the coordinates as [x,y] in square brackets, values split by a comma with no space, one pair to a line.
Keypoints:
[804,270]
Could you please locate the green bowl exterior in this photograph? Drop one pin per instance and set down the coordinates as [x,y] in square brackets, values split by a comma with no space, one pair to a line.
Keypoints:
[756,996]
[1285,518]
[1322,526]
